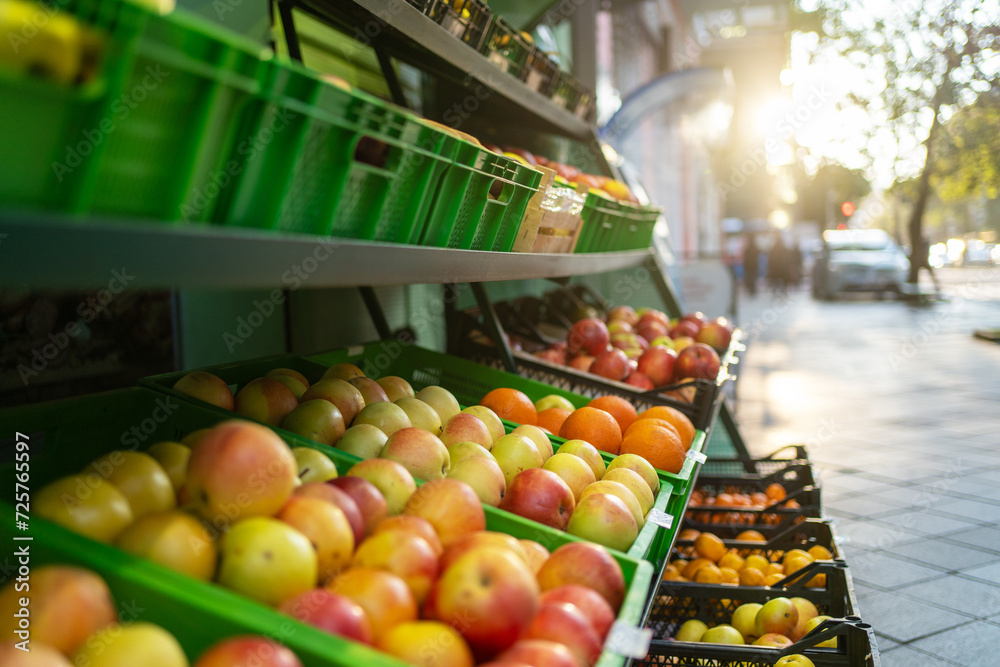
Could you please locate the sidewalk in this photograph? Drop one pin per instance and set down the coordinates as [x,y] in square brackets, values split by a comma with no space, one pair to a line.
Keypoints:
[900,407]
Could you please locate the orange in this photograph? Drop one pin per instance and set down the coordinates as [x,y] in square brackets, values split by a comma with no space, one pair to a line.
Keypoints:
[729,575]
[512,405]
[757,562]
[552,418]
[775,491]
[732,560]
[688,534]
[751,536]
[661,447]
[594,426]
[820,552]
[709,546]
[751,576]
[691,568]
[619,408]
[675,417]
[708,574]
[646,424]
[772,579]
[775,568]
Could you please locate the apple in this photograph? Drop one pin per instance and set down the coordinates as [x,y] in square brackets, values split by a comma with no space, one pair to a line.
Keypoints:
[396,387]
[551,355]
[246,650]
[553,401]
[692,630]
[539,653]
[685,328]
[538,437]
[590,335]
[297,388]
[343,371]
[588,602]
[67,605]
[421,414]
[403,553]
[85,504]
[605,519]
[616,327]
[464,450]
[173,458]
[657,363]
[266,400]
[385,597]
[682,342]
[717,334]
[317,420]
[773,639]
[722,634]
[442,400]
[564,624]
[488,417]
[662,341]
[778,616]
[697,361]
[807,611]
[138,643]
[581,362]
[696,317]
[206,387]
[386,417]
[650,331]
[194,437]
[341,393]
[794,660]
[239,470]
[640,465]
[523,154]
[612,364]
[465,427]
[327,529]
[639,381]
[415,525]
[480,540]
[140,479]
[288,372]
[267,560]
[364,441]
[337,614]
[540,495]
[370,390]
[515,453]
[587,452]
[814,623]
[40,655]
[422,453]
[340,499]
[588,565]
[490,596]
[617,489]
[744,619]
[624,314]
[173,539]
[573,470]
[483,474]
[427,643]
[313,465]
[534,554]
[366,496]
[624,340]
[635,483]
[393,480]
[451,506]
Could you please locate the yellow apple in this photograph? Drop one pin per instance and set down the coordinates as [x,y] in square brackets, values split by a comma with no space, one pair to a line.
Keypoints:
[173,539]
[327,529]
[363,440]
[266,400]
[422,453]
[691,631]
[426,644]
[421,414]
[313,465]
[639,465]
[483,474]
[636,484]
[318,420]
[267,560]
[138,643]
[391,478]
[139,477]
[86,504]
[442,400]
[386,417]
[515,453]
[538,437]
[620,490]
[605,519]
[463,450]
[553,401]
[173,458]
[573,470]
[488,417]
[587,452]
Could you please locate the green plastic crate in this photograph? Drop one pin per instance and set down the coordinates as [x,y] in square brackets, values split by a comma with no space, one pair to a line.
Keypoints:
[463,214]
[342,163]
[200,613]
[600,215]
[505,47]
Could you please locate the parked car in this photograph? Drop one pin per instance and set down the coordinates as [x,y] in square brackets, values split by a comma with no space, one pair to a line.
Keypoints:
[858,260]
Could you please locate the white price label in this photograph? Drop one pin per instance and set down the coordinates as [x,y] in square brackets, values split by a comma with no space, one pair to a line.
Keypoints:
[629,641]
[699,457]
[454,26]
[660,518]
[355,350]
[498,60]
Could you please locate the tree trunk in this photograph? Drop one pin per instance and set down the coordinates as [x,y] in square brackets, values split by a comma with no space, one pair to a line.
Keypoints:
[920,205]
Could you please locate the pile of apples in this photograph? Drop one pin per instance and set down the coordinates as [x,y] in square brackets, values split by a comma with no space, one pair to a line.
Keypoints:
[411,571]
[737,500]
[709,561]
[74,621]
[777,623]
[645,348]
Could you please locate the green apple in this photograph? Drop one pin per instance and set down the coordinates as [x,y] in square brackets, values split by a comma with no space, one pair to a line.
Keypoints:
[554,401]
[442,400]
[341,393]
[139,477]
[86,504]
[691,630]
[587,452]
[483,474]
[620,490]
[537,436]
[138,643]
[391,478]
[722,634]
[421,414]
[386,417]
[297,388]
[796,660]
[364,441]
[313,465]
[422,453]
[267,560]
[515,453]
[573,470]
[173,458]
[604,519]
[316,419]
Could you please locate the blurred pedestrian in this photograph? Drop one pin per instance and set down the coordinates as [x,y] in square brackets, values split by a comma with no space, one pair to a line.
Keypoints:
[921,259]
[779,265]
[751,263]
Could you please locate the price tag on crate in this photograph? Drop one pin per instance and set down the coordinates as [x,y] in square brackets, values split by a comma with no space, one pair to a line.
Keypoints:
[497,59]
[699,457]
[534,80]
[559,101]
[629,641]
[453,25]
[660,518]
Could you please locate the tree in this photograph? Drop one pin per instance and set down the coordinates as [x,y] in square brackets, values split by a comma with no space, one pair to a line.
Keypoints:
[968,153]
[931,58]
[831,186]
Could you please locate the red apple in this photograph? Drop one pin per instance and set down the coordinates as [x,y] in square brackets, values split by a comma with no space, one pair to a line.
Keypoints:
[586,564]
[337,614]
[539,653]
[581,362]
[565,624]
[652,330]
[697,361]
[490,596]
[206,387]
[618,326]
[588,601]
[245,650]
[552,356]
[685,328]
[540,495]
[657,363]
[341,499]
[348,398]
[612,364]
[368,498]
[451,506]
[589,334]
[639,380]
[717,334]
[624,340]
[696,317]
[624,314]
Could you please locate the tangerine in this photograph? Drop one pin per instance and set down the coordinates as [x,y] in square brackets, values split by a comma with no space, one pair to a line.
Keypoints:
[710,546]
[751,576]
[619,408]
[595,426]
[512,405]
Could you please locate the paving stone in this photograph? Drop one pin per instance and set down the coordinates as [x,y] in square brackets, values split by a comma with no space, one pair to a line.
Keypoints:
[985,538]
[959,594]
[943,554]
[874,535]
[887,571]
[927,522]
[971,644]
[989,572]
[980,512]
[904,656]
[902,619]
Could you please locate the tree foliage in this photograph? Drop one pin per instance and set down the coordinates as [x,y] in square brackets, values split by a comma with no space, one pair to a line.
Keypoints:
[968,162]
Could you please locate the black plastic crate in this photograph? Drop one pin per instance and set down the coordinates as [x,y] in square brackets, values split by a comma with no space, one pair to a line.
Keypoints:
[729,520]
[505,47]
[809,532]
[775,467]
[467,20]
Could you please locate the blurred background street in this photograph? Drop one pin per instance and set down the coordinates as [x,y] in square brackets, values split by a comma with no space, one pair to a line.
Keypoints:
[899,407]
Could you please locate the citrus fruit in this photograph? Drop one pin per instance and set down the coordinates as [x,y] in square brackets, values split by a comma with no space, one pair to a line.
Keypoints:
[675,417]
[751,576]
[619,408]
[709,546]
[594,426]
[552,419]
[661,447]
[512,405]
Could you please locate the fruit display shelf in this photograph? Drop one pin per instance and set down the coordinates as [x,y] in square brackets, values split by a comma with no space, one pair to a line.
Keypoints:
[199,612]
[775,467]
[769,516]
